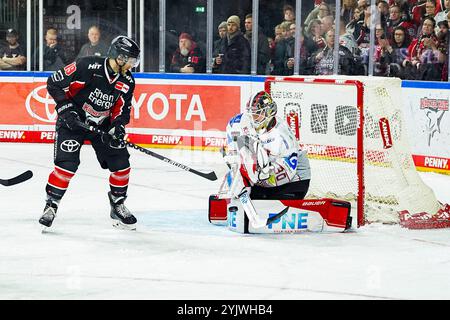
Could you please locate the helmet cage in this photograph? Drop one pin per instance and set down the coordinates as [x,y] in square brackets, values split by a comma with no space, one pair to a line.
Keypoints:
[262,109]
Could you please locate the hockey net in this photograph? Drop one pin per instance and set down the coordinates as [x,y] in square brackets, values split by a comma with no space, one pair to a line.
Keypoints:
[357,143]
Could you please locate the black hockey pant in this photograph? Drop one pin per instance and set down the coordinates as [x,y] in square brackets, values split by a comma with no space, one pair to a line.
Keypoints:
[67,148]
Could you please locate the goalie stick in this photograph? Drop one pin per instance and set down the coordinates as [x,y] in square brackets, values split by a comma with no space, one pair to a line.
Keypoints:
[210,175]
[18,179]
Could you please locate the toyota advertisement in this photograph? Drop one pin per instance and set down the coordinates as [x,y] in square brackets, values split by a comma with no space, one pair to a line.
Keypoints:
[192,113]
[163,115]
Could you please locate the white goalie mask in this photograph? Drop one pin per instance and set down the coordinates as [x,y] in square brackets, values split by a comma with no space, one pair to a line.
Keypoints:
[262,109]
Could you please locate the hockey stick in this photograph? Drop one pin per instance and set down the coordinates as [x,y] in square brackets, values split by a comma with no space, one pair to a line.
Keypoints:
[210,175]
[249,208]
[18,179]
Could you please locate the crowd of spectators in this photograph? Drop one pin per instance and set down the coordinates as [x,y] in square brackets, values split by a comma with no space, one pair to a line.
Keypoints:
[13,55]
[411,41]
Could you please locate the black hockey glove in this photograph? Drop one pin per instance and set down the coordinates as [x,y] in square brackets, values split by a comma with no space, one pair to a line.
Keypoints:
[68,115]
[116,135]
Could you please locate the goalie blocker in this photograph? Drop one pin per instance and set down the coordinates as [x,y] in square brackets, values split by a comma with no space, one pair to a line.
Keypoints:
[318,215]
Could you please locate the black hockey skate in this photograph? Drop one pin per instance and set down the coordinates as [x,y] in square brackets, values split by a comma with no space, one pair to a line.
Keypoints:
[120,215]
[49,213]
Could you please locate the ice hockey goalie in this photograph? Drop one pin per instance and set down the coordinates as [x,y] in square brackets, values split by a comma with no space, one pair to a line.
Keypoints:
[268,179]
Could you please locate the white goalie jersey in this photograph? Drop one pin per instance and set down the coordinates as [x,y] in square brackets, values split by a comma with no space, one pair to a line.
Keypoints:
[285,162]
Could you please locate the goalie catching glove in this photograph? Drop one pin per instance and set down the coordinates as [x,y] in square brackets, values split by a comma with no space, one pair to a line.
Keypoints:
[255,160]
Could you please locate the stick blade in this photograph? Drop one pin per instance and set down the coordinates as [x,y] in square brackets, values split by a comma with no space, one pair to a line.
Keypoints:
[210,176]
[277,216]
[20,178]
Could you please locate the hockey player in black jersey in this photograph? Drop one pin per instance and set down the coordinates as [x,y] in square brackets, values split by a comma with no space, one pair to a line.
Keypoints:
[97,91]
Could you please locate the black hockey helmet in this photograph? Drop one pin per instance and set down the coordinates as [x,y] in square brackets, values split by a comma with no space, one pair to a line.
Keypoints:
[125,49]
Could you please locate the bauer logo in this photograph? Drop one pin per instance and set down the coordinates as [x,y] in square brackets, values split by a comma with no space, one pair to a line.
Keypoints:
[40,105]
[289,222]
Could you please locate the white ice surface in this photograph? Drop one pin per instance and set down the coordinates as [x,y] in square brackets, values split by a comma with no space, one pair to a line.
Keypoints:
[177,254]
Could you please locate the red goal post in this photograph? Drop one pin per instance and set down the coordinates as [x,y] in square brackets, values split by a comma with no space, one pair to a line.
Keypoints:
[357,141]
[335,151]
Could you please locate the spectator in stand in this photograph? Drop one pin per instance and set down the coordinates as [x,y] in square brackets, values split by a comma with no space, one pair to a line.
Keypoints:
[327,24]
[222,31]
[430,8]
[358,15]
[280,49]
[263,45]
[278,33]
[278,37]
[442,30]
[443,37]
[307,47]
[442,15]
[95,47]
[383,10]
[422,10]
[348,10]
[234,56]
[288,59]
[399,53]
[289,13]
[347,39]
[382,52]
[285,29]
[362,35]
[272,45]
[322,61]
[12,55]
[362,4]
[188,58]
[314,33]
[425,60]
[318,12]
[54,55]
[396,19]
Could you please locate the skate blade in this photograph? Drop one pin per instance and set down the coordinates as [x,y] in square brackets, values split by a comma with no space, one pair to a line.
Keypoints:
[119,225]
[45,229]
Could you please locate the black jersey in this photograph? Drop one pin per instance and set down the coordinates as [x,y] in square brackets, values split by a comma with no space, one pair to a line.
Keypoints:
[97,94]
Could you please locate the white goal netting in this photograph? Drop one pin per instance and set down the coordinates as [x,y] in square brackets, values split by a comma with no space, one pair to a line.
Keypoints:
[328,110]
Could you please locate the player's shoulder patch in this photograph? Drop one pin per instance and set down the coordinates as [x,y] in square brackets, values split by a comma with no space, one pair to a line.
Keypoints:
[121,86]
[70,68]
[236,119]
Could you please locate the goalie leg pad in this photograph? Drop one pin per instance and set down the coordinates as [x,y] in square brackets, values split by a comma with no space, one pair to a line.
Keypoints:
[217,210]
[319,215]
